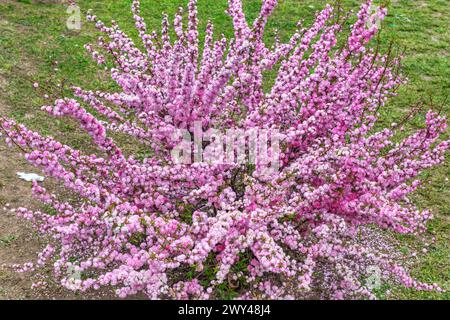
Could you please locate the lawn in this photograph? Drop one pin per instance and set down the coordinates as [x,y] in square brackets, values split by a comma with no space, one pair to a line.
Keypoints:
[36,45]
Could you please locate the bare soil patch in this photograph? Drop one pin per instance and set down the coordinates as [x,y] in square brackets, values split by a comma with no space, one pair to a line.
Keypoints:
[19,242]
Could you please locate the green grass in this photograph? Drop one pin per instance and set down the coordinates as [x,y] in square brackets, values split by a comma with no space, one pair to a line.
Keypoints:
[34,35]
[8,240]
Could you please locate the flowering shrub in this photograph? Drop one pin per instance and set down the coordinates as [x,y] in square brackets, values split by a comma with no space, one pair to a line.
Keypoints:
[162,228]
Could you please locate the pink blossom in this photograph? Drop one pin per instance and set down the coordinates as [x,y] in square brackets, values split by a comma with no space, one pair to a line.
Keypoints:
[142,224]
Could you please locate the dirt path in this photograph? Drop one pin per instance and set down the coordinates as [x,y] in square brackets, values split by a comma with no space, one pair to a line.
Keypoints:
[19,243]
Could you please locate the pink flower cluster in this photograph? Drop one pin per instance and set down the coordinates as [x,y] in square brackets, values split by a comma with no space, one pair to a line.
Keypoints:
[146,226]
